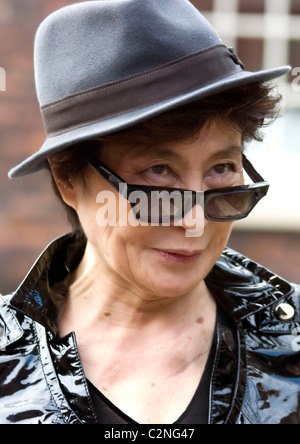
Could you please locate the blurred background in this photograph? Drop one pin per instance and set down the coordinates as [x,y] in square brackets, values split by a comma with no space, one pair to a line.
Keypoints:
[265,33]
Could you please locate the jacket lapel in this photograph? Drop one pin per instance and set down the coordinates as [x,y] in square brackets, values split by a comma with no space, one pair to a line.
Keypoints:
[44,290]
[244,288]
[10,329]
[228,378]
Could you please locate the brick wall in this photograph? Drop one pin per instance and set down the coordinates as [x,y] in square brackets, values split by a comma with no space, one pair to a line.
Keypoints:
[30,216]
[280,252]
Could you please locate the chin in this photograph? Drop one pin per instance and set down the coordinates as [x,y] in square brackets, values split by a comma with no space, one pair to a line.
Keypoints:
[173,283]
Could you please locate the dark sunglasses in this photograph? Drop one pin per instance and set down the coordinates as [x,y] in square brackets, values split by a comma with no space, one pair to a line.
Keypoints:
[171,204]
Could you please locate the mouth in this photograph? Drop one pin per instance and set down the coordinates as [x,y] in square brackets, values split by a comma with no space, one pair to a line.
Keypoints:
[179,256]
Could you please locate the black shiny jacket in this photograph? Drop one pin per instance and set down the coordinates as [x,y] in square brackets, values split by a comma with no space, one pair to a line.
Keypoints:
[256,373]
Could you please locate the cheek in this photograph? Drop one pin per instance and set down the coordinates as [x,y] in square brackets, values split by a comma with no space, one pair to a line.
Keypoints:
[126,251]
[217,234]
[122,249]
[119,245]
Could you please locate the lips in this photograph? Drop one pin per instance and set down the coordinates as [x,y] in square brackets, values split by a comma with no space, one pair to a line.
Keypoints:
[179,256]
[182,252]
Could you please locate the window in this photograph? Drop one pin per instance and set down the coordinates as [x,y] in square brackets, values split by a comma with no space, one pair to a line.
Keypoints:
[295,7]
[294,55]
[251,52]
[203,5]
[252,6]
[266,34]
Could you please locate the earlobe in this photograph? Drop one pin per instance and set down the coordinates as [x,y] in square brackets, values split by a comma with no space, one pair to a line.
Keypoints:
[68,193]
[64,186]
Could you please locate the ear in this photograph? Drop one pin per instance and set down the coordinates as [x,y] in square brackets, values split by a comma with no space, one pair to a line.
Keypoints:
[64,185]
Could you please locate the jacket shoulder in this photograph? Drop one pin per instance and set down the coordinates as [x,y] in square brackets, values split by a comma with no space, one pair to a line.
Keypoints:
[296,291]
[247,290]
[10,328]
[295,296]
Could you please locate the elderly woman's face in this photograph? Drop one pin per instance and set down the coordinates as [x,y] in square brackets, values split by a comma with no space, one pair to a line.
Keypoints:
[162,260]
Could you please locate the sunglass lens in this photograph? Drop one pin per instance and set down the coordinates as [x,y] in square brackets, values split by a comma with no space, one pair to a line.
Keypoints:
[229,205]
[166,206]
[160,206]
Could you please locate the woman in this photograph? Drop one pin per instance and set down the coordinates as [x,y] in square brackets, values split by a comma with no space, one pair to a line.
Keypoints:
[141,315]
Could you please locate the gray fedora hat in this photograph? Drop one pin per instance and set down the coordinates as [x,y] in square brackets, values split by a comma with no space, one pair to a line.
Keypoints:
[101,66]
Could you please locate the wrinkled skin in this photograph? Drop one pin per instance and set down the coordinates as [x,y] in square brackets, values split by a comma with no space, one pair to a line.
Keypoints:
[256,376]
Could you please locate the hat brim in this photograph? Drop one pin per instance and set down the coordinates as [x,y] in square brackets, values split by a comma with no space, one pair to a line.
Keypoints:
[55,144]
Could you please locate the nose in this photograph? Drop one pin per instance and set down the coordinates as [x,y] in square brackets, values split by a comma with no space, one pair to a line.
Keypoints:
[194,220]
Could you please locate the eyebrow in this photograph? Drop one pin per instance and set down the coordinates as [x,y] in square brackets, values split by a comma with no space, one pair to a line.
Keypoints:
[232,151]
[151,150]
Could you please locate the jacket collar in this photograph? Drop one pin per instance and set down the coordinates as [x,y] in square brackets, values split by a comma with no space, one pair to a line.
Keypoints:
[10,329]
[241,287]
[44,290]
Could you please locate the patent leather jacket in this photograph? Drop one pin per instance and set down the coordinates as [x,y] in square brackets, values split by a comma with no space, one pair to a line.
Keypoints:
[256,373]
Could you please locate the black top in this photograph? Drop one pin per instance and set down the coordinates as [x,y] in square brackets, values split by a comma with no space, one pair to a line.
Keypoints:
[196,412]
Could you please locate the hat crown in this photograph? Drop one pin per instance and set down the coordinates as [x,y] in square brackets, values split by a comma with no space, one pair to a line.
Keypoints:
[105,65]
[88,44]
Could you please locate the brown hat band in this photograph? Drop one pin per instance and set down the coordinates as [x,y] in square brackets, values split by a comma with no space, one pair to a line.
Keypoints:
[184,75]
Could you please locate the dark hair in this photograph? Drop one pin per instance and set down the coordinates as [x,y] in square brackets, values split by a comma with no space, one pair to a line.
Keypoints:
[247,109]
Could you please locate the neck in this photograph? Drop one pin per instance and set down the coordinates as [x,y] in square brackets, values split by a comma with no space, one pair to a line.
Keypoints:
[98,298]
